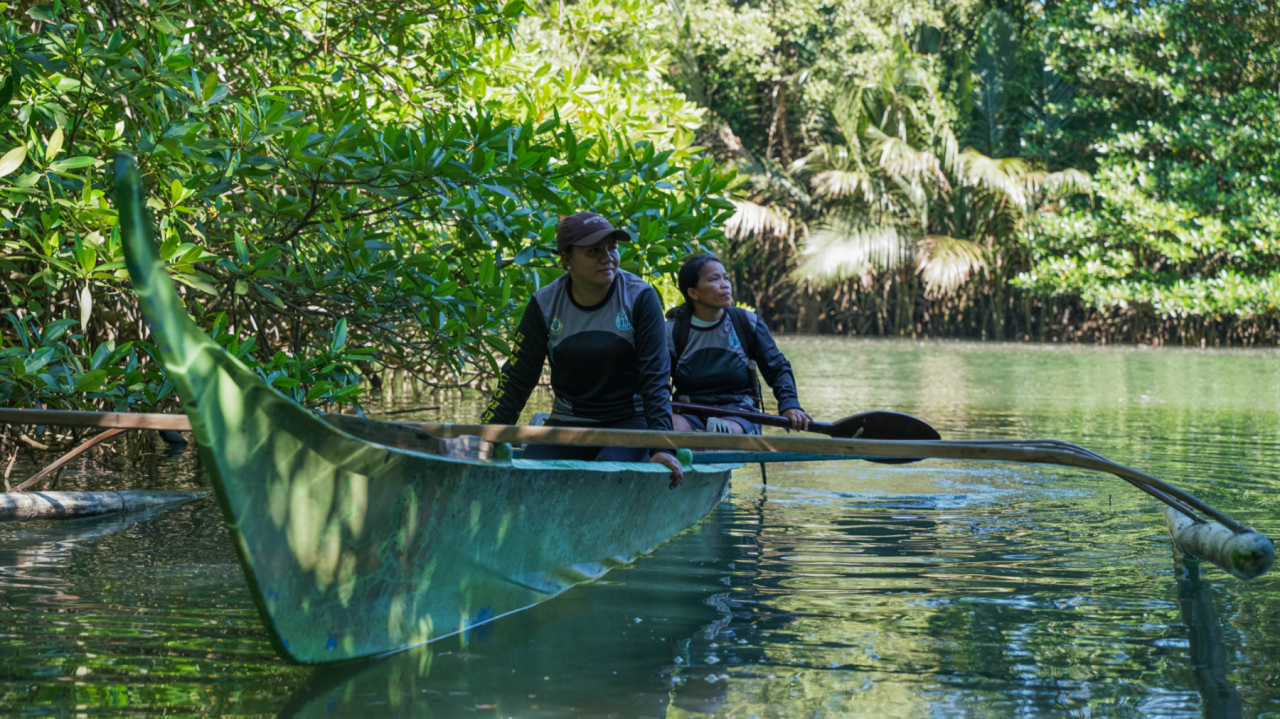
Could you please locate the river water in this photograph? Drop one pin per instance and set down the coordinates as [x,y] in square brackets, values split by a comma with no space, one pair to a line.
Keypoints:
[940,589]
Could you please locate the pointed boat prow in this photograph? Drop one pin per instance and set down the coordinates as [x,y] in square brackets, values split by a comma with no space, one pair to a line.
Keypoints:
[353,548]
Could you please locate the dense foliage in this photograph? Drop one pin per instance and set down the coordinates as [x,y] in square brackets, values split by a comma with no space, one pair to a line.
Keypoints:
[343,186]
[1177,113]
[1112,174]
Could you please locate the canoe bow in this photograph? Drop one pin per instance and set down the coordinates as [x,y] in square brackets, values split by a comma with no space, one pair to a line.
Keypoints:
[352,548]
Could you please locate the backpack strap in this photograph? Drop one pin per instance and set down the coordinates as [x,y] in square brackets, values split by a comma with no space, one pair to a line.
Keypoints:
[742,328]
[680,333]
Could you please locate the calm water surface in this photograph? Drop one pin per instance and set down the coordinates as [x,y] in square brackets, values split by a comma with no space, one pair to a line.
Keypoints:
[939,589]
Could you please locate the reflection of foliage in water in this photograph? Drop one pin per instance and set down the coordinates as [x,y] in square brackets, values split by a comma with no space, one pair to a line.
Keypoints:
[149,616]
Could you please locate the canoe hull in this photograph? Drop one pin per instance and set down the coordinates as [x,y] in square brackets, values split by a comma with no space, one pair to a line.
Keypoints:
[353,548]
[359,551]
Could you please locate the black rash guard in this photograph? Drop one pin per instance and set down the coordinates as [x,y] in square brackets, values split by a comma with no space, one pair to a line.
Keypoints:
[713,368]
[609,362]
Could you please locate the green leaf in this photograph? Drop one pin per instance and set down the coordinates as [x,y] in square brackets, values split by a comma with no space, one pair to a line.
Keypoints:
[242,287]
[271,296]
[12,159]
[43,13]
[100,355]
[7,91]
[210,85]
[55,330]
[219,93]
[178,62]
[170,245]
[86,307]
[350,390]
[55,145]
[163,24]
[319,389]
[242,250]
[502,191]
[91,380]
[339,337]
[73,163]
[87,258]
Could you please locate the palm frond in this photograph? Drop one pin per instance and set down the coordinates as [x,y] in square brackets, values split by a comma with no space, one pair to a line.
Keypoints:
[1001,176]
[950,147]
[752,220]
[996,63]
[946,263]
[889,148]
[849,111]
[1066,183]
[824,157]
[848,247]
[836,184]
[1048,99]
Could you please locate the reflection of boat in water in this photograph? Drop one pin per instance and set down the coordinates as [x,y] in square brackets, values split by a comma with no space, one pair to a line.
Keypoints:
[353,548]
[620,647]
[1208,654]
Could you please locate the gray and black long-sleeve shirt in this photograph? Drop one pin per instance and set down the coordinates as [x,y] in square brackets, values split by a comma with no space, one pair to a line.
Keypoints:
[608,362]
[713,368]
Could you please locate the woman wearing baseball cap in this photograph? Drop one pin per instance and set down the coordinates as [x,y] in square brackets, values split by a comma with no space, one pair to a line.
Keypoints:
[602,330]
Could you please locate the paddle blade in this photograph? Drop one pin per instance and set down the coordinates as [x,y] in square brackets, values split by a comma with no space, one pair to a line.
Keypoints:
[883,425]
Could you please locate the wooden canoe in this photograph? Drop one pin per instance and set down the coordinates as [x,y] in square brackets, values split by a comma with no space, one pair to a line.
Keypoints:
[353,548]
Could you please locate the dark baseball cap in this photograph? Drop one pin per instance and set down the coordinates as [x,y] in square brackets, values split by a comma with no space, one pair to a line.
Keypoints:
[584,229]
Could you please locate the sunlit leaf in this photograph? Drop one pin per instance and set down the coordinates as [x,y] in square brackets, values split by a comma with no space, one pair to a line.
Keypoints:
[86,307]
[12,160]
[55,145]
[72,163]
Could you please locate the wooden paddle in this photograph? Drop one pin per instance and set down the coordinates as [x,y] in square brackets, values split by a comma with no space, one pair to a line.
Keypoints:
[867,425]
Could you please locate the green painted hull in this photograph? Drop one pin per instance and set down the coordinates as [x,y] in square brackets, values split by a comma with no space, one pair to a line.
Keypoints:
[353,548]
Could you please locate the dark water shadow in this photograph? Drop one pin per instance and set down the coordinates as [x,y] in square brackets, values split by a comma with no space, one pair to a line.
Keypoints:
[1208,651]
[618,647]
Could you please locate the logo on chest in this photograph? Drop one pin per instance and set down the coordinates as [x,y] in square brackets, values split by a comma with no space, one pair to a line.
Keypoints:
[622,321]
[556,326]
[733,338]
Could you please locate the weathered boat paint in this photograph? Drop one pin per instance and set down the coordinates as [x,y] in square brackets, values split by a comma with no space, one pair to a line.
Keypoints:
[353,548]
[18,506]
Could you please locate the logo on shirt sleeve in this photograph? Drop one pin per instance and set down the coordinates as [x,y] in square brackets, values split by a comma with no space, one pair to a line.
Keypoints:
[623,322]
[556,326]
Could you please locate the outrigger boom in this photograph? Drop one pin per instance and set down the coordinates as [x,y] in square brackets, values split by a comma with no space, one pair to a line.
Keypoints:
[1253,557]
